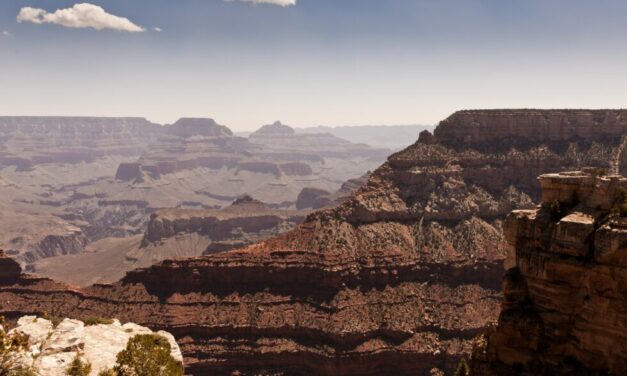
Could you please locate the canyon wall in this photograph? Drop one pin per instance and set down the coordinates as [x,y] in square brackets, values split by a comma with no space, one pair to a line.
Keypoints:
[27,141]
[565,306]
[398,279]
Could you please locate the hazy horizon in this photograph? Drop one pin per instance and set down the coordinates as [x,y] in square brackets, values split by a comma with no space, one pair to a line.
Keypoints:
[308,62]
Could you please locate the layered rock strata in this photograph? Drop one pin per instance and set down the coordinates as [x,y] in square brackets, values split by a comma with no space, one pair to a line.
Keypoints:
[396,280]
[565,306]
[26,141]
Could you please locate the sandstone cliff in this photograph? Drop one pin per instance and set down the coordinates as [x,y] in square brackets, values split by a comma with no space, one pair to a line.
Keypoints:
[396,280]
[565,307]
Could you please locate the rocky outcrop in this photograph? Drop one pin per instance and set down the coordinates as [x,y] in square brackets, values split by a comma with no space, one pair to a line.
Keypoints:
[244,222]
[398,279]
[565,308]
[10,270]
[128,171]
[57,238]
[69,243]
[51,349]
[276,129]
[189,127]
[312,198]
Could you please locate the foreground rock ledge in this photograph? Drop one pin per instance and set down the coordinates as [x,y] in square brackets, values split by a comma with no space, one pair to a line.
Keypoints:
[565,306]
[52,348]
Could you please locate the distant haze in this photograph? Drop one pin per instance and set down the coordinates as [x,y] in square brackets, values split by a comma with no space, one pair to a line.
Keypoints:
[351,62]
[394,137]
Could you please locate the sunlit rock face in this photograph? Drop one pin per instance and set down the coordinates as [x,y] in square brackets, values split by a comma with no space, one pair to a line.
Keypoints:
[565,306]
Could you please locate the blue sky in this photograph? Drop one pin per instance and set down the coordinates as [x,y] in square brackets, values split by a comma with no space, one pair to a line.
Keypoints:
[332,62]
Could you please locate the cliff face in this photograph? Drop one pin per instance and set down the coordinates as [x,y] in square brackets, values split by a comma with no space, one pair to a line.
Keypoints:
[28,141]
[524,129]
[396,280]
[565,306]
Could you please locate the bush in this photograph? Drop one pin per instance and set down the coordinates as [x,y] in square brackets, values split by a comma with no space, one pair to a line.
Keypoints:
[462,368]
[91,321]
[78,368]
[53,319]
[620,207]
[9,346]
[556,210]
[147,355]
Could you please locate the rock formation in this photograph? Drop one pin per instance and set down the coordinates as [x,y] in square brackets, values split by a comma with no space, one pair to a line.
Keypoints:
[398,279]
[244,222]
[565,307]
[51,349]
[281,139]
[313,198]
[10,270]
[393,137]
[27,141]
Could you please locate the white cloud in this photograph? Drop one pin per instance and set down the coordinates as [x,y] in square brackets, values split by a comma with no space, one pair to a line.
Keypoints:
[157,29]
[82,15]
[5,33]
[283,3]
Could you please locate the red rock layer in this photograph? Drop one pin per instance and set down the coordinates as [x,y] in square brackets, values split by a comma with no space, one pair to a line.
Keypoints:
[565,307]
[396,280]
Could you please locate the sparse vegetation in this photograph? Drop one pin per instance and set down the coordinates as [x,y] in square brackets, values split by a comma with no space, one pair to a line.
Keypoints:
[91,321]
[10,345]
[620,207]
[556,210]
[462,368]
[78,368]
[53,319]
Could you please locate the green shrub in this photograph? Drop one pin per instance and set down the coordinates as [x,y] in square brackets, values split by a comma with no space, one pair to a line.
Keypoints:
[53,319]
[620,207]
[78,368]
[9,346]
[147,355]
[90,321]
[462,368]
[107,372]
[556,210]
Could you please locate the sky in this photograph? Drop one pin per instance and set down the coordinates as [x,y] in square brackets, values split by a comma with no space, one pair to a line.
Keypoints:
[247,63]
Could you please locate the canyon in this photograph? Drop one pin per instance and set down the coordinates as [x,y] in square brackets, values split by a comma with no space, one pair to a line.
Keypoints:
[396,279]
[75,185]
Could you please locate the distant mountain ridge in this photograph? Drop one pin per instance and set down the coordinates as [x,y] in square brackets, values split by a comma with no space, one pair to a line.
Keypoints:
[393,137]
